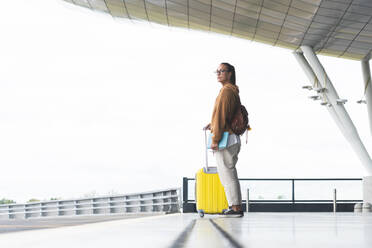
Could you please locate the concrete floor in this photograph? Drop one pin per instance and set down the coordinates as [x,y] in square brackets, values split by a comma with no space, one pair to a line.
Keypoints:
[188,230]
[17,225]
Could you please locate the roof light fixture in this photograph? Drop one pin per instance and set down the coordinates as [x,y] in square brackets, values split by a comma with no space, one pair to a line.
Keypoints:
[341,101]
[314,97]
[308,87]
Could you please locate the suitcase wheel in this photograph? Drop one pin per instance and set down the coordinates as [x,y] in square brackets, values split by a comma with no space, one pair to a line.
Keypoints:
[201,213]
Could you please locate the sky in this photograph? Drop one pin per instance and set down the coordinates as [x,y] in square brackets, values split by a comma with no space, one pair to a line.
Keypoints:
[90,105]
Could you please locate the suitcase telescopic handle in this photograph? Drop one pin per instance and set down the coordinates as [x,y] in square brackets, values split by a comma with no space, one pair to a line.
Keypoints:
[206,149]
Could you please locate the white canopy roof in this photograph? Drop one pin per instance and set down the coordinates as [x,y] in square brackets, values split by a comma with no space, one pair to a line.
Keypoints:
[340,28]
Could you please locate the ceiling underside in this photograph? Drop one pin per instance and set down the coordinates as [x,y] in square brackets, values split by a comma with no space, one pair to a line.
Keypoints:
[340,28]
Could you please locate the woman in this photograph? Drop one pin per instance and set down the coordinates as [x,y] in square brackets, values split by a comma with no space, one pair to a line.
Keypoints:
[226,105]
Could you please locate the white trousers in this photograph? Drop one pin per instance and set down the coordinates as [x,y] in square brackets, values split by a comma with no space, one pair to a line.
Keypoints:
[226,160]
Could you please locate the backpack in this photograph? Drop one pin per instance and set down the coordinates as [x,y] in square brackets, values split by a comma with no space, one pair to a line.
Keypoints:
[240,121]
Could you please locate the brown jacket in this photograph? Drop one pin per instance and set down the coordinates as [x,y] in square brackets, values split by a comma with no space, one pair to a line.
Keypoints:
[227,102]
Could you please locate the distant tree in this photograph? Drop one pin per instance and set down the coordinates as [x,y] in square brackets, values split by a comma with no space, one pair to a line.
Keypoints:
[33,200]
[6,201]
[55,198]
[280,197]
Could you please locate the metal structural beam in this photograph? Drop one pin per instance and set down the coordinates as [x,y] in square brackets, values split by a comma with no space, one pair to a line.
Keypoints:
[314,70]
[367,88]
[314,80]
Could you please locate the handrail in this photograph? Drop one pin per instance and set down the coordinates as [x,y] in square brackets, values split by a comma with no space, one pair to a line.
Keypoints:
[295,179]
[293,200]
[168,201]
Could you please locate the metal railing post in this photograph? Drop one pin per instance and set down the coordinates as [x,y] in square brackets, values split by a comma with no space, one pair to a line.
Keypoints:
[293,194]
[247,205]
[185,190]
[334,200]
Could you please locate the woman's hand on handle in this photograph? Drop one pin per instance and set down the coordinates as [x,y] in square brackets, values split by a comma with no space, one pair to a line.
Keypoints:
[214,146]
[207,127]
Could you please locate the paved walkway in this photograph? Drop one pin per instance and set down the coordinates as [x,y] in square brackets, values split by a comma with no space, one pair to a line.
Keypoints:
[18,225]
[188,230]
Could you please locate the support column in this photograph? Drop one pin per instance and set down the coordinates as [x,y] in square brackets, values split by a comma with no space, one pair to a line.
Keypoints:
[367,88]
[367,181]
[339,112]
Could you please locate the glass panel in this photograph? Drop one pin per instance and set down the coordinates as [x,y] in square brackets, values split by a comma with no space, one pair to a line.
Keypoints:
[247,36]
[227,15]
[117,8]
[283,2]
[198,25]
[223,5]
[361,45]
[326,20]
[351,24]
[244,14]
[273,14]
[300,14]
[290,39]
[323,190]
[288,31]
[249,6]
[136,11]
[330,12]
[351,56]
[156,2]
[157,15]
[298,20]
[220,29]
[223,23]
[83,3]
[295,26]
[272,20]
[315,2]
[344,36]
[356,17]
[98,5]
[286,44]
[266,190]
[339,5]
[229,2]
[175,17]
[364,37]
[272,36]
[244,29]
[362,10]
[304,190]
[155,9]
[312,37]
[258,190]
[200,6]
[198,15]
[346,30]
[275,7]
[362,3]
[338,42]
[175,8]
[268,27]
[256,2]
[309,7]
[335,48]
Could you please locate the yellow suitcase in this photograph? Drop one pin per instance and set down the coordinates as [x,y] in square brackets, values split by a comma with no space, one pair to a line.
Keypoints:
[209,193]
